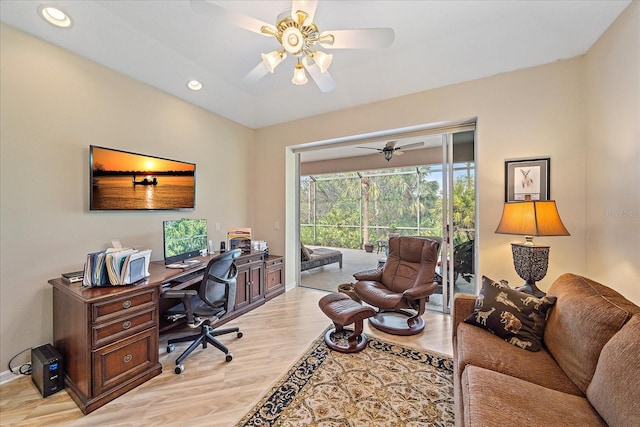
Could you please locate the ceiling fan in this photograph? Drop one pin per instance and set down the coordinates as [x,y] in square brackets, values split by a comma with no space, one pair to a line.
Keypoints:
[390,149]
[300,37]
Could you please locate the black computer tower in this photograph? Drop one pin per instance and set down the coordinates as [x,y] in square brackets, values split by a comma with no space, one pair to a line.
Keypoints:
[47,369]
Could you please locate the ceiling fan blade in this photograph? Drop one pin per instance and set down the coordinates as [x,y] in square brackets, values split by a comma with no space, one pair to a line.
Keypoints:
[364,38]
[371,148]
[391,144]
[258,72]
[324,80]
[415,145]
[308,6]
[220,13]
[398,153]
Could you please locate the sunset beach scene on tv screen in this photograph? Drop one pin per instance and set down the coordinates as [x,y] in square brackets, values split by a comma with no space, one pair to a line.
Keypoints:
[121,180]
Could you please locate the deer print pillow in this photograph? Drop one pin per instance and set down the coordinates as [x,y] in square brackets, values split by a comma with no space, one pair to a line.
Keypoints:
[514,316]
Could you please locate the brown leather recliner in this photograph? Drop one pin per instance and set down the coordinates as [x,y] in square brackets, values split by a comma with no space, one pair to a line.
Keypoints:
[404,282]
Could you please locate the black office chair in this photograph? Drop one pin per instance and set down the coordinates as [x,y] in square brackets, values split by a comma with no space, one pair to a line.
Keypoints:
[203,308]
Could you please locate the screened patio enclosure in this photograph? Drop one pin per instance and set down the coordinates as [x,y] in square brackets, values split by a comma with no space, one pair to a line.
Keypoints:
[351,209]
[348,210]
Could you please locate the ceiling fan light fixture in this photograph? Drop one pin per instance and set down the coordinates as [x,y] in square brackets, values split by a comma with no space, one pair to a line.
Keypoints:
[292,40]
[299,76]
[388,154]
[322,59]
[272,59]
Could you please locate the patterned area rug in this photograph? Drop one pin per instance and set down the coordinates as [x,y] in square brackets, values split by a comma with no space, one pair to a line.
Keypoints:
[383,385]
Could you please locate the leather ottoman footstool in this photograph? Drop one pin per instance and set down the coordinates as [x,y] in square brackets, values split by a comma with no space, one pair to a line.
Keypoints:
[343,311]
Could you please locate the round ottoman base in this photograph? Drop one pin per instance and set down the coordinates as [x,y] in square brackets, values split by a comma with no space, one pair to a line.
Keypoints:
[343,311]
[348,343]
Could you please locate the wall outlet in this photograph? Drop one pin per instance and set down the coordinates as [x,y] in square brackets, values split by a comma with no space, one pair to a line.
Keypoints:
[277,225]
[217,226]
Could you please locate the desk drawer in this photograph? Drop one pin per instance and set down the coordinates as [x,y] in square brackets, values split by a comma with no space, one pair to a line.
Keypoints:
[274,263]
[122,327]
[116,307]
[249,259]
[123,360]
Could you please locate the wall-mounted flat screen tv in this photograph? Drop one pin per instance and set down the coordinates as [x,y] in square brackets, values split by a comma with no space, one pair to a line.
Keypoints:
[121,180]
[183,239]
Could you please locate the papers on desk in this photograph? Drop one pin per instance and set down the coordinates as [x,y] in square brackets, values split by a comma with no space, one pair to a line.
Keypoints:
[116,267]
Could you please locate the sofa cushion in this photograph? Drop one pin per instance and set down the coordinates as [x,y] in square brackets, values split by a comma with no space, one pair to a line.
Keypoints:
[475,346]
[615,388]
[494,399]
[514,316]
[586,316]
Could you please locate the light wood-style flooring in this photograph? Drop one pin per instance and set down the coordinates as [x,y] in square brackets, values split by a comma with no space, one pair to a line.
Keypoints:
[210,392]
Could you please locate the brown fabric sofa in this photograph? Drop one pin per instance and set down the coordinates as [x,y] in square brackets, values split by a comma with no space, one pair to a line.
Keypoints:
[586,374]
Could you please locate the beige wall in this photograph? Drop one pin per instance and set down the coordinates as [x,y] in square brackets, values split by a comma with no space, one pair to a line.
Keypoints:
[612,94]
[54,104]
[536,112]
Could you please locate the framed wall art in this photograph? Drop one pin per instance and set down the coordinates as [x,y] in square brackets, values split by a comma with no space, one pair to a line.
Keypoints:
[527,177]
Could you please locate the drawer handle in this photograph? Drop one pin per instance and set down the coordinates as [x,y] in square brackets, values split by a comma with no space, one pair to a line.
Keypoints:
[126,304]
[127,358]
[126,325]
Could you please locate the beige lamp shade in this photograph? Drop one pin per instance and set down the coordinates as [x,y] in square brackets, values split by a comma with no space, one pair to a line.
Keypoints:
[531,218]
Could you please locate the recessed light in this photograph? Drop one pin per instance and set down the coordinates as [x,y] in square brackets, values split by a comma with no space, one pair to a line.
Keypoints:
[54,16]
[194,85]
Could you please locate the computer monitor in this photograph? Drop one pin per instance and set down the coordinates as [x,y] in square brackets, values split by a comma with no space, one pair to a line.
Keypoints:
[183,239]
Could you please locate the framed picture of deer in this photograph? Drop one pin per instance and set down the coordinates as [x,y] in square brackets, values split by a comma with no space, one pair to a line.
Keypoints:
[527,177]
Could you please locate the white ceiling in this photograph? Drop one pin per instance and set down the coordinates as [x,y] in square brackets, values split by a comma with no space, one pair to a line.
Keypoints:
[437,43]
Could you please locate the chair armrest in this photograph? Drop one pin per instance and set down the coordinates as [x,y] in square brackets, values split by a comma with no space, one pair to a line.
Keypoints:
[370,275]
[420,291]
[463,305]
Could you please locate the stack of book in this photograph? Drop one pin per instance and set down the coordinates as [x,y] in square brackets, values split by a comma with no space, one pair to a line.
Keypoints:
[116,267]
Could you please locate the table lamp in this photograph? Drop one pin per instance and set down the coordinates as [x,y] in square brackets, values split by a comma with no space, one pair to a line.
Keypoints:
[531,218]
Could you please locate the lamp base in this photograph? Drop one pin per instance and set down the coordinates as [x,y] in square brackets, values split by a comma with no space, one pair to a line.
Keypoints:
[531,289]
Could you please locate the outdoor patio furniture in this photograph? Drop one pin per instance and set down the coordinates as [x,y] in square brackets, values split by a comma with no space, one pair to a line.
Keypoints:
[313,258]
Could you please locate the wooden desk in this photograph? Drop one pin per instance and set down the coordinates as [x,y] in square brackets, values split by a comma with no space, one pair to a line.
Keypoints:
[109,336]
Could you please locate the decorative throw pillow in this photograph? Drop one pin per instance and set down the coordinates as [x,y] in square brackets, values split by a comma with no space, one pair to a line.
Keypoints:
[306,254]
[516,317]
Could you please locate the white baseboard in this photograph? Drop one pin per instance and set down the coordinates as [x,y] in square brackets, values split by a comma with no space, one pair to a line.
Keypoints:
[290,286]
[7,376]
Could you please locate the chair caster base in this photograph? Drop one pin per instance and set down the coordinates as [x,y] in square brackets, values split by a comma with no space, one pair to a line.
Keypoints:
[396,323]
[228,357]
[171,348]
[179,369]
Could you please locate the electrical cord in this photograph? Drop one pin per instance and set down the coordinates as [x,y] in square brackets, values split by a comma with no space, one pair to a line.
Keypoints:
[24,369]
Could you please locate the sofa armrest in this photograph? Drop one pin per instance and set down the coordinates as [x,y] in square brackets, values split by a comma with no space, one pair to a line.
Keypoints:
[462,307]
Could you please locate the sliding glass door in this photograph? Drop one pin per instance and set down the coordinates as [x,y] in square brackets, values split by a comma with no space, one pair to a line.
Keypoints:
[456,267]
[354,206]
